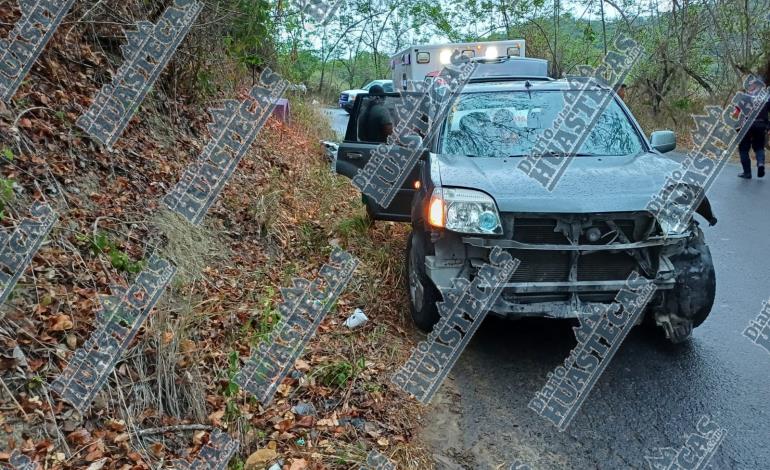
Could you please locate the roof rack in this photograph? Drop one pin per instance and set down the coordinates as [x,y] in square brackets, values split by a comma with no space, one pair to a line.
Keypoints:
[509,68]
[509,78]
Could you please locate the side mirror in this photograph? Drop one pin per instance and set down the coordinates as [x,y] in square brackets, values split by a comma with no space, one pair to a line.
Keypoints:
[413,141]
[663,141]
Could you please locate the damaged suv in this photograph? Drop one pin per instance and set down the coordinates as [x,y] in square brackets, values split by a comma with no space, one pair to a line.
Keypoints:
[577,243]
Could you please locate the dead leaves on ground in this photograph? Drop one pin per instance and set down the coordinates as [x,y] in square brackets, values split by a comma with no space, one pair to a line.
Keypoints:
[53,307]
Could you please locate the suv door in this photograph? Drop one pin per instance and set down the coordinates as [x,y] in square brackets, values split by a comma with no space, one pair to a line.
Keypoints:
[354,153]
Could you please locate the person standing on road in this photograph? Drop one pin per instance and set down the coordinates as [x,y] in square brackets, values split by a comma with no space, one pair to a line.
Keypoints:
[756,136]
[375,123]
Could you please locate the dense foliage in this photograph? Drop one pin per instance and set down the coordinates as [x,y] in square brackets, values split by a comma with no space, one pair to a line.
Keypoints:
[697,50]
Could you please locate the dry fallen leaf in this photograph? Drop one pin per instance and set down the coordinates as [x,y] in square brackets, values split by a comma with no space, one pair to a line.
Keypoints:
[157,449]
[94,455]
[216,417]
[305,422]
[284,390]
[61,322]
[97,465]
[331,421]
[168,337]
[188,346]
[79,437]
[298,464]
[259,458]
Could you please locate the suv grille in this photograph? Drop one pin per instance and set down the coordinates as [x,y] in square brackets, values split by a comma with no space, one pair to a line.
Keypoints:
[541,266]
[604,266]
[592,266]
[538,231]
[553,266]
[542,230]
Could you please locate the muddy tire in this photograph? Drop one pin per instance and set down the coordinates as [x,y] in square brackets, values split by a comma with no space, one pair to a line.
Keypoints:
[423,294]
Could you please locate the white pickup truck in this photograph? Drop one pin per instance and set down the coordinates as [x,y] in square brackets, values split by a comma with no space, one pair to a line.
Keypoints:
[348,97]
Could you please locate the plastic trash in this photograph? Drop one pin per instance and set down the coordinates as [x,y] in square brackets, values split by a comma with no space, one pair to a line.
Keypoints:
[357,319]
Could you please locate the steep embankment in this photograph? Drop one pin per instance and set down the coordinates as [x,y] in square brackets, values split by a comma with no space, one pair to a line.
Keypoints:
[276,219]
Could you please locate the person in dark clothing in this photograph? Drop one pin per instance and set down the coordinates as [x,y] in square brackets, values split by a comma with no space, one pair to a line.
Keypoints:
[375,123]
[755,138]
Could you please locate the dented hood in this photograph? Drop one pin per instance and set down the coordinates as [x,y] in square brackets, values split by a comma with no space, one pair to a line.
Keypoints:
[589,184]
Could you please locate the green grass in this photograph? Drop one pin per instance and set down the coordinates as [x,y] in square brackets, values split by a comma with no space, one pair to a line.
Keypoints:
[339,373]
[256,330]
[7,153]
[311,236]
[356,226]
[6,194]
[101,243]
[232,411]
[35,382]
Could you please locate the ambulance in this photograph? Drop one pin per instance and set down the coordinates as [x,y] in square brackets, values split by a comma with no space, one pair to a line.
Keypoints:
[423,63]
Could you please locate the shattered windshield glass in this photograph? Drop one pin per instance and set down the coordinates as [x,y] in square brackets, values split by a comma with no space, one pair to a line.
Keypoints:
[508,124]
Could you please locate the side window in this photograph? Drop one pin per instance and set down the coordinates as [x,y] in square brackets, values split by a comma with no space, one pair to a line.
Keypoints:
[377,117]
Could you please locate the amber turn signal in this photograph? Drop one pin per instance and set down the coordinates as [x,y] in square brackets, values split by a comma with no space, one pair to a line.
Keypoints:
[436,212]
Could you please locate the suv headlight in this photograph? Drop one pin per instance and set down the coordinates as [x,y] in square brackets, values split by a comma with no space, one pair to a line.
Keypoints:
[464,211]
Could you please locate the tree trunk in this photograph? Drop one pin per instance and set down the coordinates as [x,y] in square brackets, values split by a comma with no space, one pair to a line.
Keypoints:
[604,26]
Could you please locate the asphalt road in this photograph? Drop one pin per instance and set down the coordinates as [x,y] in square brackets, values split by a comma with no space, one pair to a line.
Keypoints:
[338,119]
[651,395]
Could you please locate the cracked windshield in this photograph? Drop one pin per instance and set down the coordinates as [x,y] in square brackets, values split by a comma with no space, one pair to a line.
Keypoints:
[509,124]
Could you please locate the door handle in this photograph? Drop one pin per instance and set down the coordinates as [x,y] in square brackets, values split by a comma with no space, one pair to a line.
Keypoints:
[355,155]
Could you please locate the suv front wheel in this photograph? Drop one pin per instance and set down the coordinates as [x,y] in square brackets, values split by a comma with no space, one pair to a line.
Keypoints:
[423,295]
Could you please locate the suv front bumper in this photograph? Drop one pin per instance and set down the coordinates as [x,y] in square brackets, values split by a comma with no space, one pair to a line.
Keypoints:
[557,279]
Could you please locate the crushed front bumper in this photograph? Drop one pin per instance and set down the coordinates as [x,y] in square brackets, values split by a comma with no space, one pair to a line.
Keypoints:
[561,276]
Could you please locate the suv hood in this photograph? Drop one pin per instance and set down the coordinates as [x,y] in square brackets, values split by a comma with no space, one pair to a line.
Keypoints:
[589,184]
[356,91]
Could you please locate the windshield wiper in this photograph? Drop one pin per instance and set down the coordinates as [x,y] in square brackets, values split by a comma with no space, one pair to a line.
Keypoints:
[556,154]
